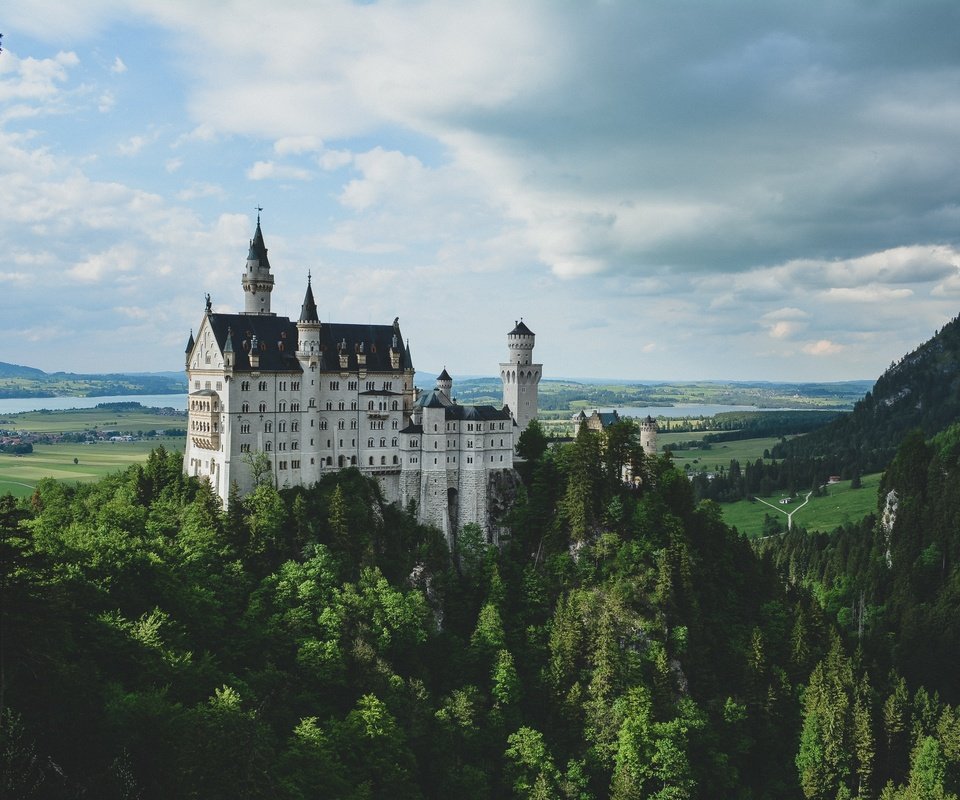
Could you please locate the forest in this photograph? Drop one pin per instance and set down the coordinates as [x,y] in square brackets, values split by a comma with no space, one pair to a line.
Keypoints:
[617,641]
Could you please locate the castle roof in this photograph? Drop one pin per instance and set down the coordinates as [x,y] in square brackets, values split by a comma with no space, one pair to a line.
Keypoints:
[444,376]
[411,428]
[432,399]
[190,343]
[521,330]
[277,343]
[407,356]
[477,413]
[258,250]
[308,311]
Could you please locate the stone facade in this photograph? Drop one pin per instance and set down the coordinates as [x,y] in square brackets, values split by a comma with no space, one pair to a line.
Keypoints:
[316,397]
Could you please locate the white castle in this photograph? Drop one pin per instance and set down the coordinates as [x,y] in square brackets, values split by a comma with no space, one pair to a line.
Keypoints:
[315,397]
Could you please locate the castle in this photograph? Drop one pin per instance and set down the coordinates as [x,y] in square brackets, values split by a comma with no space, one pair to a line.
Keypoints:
[314,397]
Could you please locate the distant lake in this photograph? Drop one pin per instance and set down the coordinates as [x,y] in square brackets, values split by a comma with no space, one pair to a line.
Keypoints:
[15,405]
[684,410]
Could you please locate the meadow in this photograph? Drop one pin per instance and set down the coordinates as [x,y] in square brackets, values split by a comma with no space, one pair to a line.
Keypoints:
[719,455]
[841,504]
[91,419]
[20,474]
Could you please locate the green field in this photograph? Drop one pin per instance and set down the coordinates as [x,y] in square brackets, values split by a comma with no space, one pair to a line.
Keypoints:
[20,474]
[86,419]
[841,504]
[719,455]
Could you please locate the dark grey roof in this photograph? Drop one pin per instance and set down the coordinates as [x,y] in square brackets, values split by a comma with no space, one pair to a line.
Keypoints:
[431,399]
[444,376]
[477,413]
[521,330]
[258,250]
[407,356]
[413,429]
[277,343]
[190,343]
[608,417]
[228,344]
[308,311]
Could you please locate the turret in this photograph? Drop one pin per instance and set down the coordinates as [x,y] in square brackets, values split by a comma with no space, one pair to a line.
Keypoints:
[189,350]
[445,384]
[257,279]
[648,435]
[520,376]
[308,328]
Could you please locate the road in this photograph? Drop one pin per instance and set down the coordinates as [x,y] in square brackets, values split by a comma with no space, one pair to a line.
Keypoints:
[788,513]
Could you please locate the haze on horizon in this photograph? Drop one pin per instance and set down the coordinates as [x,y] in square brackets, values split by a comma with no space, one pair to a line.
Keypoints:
[698,191]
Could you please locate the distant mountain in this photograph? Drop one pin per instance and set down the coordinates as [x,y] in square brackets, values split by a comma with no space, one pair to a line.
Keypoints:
[20,381]
[922,391]
[17,371]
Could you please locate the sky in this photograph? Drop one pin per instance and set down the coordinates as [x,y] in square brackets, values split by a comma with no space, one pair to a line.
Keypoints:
[755,190]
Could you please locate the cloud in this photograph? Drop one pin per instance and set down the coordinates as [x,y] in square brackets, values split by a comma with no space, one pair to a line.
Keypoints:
[296,145]
[132,146]
[267,170]
[822,347]
[106,102]
[118,67]
[867,294]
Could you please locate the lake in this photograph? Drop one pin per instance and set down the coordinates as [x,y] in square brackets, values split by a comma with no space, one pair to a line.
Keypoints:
[15,405]
[682,410]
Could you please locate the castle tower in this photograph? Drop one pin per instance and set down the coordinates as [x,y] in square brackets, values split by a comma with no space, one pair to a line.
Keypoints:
[308,328]
[445,384]
[648,435]
[520,376]
[257,279]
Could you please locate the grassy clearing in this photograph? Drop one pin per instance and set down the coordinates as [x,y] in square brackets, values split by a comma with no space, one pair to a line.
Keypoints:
[20,474]
[719,455]
[841,504]
[85,419]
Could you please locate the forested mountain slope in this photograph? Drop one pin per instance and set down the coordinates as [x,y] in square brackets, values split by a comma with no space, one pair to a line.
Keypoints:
[315,642]
[922,391]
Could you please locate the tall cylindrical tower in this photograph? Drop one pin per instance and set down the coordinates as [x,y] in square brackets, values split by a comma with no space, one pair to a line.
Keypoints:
[520,376]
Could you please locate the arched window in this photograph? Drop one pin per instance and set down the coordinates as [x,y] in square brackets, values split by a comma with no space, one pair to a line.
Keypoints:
[263,407]
[371,461]
[245,408]
[340,425]
[268,446]
[394,406]
[353,461]
[370,442]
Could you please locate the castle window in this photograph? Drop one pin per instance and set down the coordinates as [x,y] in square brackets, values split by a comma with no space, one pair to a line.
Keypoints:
[206,385]
[219,386]
[262,386]
[371,385]
[334,386]
[267,427]
[295,386]
[283,386]
[311,442]
[294,406]
[329,406]
[353,405]
[245,427]
[282,406]
[396,460]
[263,407]
[395,424]
[413,443]
[268,446]
[244,386]
[370,405]
[370,442]
[340,406]
[387,386]
[371,461]
[245,448]
[353,424]
[245,408]
[383,460]
[394,406]
[330,461]
[196,384]
[312,403]
[352,386]
[282,465]
[353,461]
[393,442]
[282,446]
[281,426]
[323,424]
[295,464]
[294,426]
[294,446]
[383,442]
[340,424]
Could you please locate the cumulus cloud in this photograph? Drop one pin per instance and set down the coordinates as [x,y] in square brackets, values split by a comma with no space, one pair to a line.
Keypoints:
[118,67]
[266,170]
[822,347]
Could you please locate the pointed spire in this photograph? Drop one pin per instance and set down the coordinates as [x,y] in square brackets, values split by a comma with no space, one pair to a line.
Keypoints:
[228,345]
[308,311]
[258,250]
[444,376]
[190,343]
[407,357]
